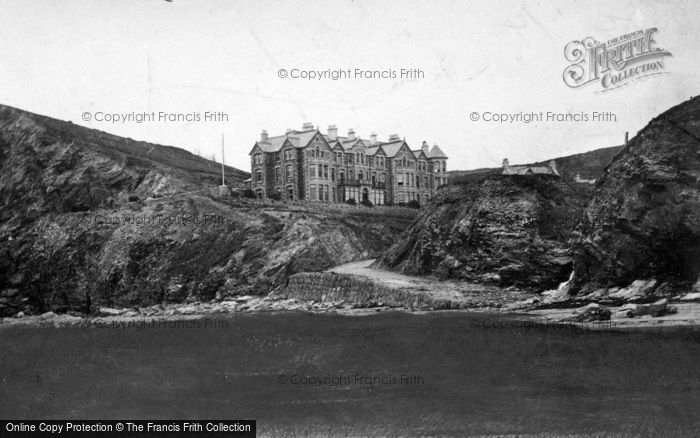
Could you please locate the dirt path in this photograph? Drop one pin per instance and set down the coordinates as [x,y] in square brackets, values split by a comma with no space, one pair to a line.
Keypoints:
[476,295]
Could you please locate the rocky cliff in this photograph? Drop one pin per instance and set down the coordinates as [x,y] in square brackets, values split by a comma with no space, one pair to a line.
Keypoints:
[505,230]
[89,219]
[643,222]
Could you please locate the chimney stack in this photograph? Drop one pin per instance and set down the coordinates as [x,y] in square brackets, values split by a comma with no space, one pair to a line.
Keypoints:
[263,136]
[307,126]
[351,134]
[394,137]
[627,137]
[332,132]
[505,163]
[373,138]
[426,148]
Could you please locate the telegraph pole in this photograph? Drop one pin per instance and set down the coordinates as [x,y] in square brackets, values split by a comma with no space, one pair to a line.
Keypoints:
[223,180]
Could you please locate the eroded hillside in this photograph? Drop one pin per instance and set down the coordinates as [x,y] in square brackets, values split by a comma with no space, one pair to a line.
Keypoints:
[89,219]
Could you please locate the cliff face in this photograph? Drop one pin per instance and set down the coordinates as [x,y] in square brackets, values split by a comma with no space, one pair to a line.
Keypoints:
[506,230]
[643,221]
[78,231]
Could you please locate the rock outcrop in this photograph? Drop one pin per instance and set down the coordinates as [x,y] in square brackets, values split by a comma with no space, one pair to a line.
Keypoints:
[643,221]
[505,230]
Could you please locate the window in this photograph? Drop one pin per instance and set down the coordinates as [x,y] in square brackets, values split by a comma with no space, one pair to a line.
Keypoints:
[258,175]
[333,174]
[318,151]
[257,159]
[326,192]
[278,174]
[359,175]
[325,171]
[312,171]
[320,170]
[288,154]
[312,192]
[399,179]
[290,176]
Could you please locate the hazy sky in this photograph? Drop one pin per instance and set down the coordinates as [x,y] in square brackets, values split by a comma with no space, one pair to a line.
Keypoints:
[63,58]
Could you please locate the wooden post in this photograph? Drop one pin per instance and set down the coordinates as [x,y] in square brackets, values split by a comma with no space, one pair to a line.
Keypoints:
[223,180]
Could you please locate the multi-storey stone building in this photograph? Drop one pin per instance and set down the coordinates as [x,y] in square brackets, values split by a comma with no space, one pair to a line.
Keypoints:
[310,165]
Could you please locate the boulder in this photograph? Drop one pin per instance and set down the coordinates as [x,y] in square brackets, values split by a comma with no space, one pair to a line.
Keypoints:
[654,310]
[658,308]
[590,312]
[631,310]
[693,296]
[108,311]
[9,293]
[637,290]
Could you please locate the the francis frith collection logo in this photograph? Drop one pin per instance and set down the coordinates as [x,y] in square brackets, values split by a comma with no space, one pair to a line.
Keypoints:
[614,63]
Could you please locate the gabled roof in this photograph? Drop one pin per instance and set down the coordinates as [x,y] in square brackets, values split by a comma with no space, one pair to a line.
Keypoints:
[371,151]
[298,139]
[418,153]
[350,143]
[391,149]
[273,144]
[436,152]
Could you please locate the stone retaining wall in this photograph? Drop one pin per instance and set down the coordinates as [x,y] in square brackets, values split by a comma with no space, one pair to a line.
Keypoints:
[357,291]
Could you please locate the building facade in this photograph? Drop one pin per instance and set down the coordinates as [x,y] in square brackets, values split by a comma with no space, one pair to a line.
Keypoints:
[310,165]
[527,169]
